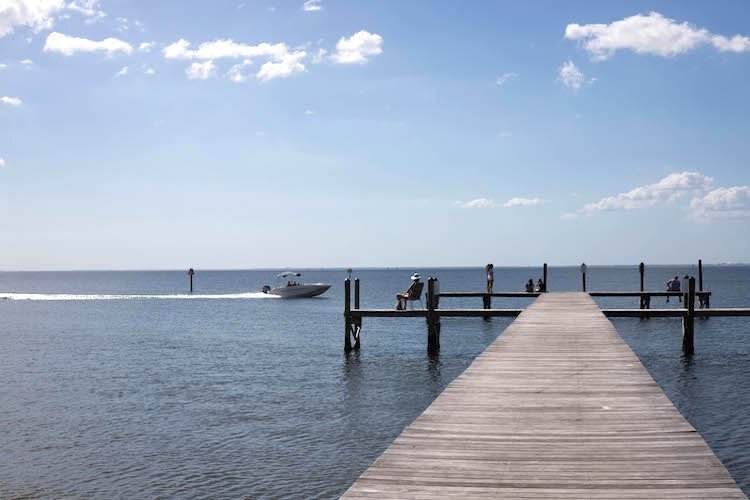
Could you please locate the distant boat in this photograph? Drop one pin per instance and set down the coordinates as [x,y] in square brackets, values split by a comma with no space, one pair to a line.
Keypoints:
[294,290]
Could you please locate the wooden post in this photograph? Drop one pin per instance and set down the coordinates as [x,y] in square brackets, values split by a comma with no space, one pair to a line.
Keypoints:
[688,321]
[347,315]
[584,281]
[433,320]
[544,273]
[700,275]
[642,270]
[191,273]
[357,322]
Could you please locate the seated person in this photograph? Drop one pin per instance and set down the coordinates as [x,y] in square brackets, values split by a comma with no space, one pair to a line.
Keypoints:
[673,285]
[530,286]
[411,293]
[540,286]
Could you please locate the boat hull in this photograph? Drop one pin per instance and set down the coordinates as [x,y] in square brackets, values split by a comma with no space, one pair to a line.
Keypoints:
[299,291]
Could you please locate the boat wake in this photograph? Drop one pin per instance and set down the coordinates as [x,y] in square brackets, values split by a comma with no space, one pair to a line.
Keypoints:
[185,296]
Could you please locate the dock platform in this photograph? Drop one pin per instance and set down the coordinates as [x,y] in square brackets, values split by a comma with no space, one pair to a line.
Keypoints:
[557,407]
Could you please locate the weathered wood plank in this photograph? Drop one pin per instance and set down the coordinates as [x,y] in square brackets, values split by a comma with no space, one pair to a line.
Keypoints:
[557,407]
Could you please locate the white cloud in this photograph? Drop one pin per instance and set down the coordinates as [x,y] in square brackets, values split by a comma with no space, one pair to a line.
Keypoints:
[149,71]
[146,47]
[731,202]
[35,14]
[284,67]
[224,49]
[3,66]
[357,48]
[570,76]
[201,71]
[236,73]
[69,45]
[505,78]
[522,202]
[122,72]
[87,8]
[668,189]
[312,5]
[318,57]
[651,34]
[11,101]
[477,203]
[2,161]
[309,112]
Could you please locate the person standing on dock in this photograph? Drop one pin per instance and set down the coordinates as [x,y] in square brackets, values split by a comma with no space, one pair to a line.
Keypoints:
[490,277]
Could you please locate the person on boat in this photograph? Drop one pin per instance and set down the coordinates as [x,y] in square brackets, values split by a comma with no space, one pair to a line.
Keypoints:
[540,286]
[530,286]
[490,277]
[403,297]
[673,285]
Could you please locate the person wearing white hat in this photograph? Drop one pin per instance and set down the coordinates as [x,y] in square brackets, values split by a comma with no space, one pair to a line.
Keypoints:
[414,290]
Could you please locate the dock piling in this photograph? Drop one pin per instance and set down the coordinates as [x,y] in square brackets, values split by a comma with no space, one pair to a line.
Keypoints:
[356,322]
[688,321]
[347,315]
[544,274]
[433,319]
[191,272]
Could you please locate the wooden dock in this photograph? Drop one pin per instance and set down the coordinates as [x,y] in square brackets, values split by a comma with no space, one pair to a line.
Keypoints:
[557,407]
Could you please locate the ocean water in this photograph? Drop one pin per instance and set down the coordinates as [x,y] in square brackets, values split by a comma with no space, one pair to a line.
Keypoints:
[121,384]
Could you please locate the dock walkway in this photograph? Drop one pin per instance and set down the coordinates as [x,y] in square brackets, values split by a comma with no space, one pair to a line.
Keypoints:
[557,407]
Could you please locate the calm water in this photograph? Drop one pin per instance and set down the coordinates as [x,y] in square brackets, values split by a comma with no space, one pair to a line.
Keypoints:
[105,395]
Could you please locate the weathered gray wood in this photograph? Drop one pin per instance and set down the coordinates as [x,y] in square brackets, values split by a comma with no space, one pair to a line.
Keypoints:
[642,294]
[493,294]
[557,407]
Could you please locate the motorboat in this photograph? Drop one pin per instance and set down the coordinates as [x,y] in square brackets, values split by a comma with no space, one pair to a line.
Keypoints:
[293,289]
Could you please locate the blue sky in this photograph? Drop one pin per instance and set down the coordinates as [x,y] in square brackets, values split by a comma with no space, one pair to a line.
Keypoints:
[372,133]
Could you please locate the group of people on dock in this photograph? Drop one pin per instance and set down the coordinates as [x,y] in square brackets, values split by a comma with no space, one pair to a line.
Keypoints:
[541,286]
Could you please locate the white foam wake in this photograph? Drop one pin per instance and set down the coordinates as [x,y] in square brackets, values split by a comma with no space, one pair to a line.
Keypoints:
[71,296]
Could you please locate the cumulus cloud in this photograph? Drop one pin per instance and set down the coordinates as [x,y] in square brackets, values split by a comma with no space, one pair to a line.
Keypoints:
[11,101]
[88,8]
[224,49]
[3,66]
[722,203]
[35,14]
[505,78]
[69,45]
[149,71]
[357,48]
[652,34]
[2,161]
[201,71]
[312,5]
[236,73]
[669,189]
[146,47]
[122,72]
[522,202]
[282,63]
[570,76]
[27,62]
[477,203]
[284,67]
